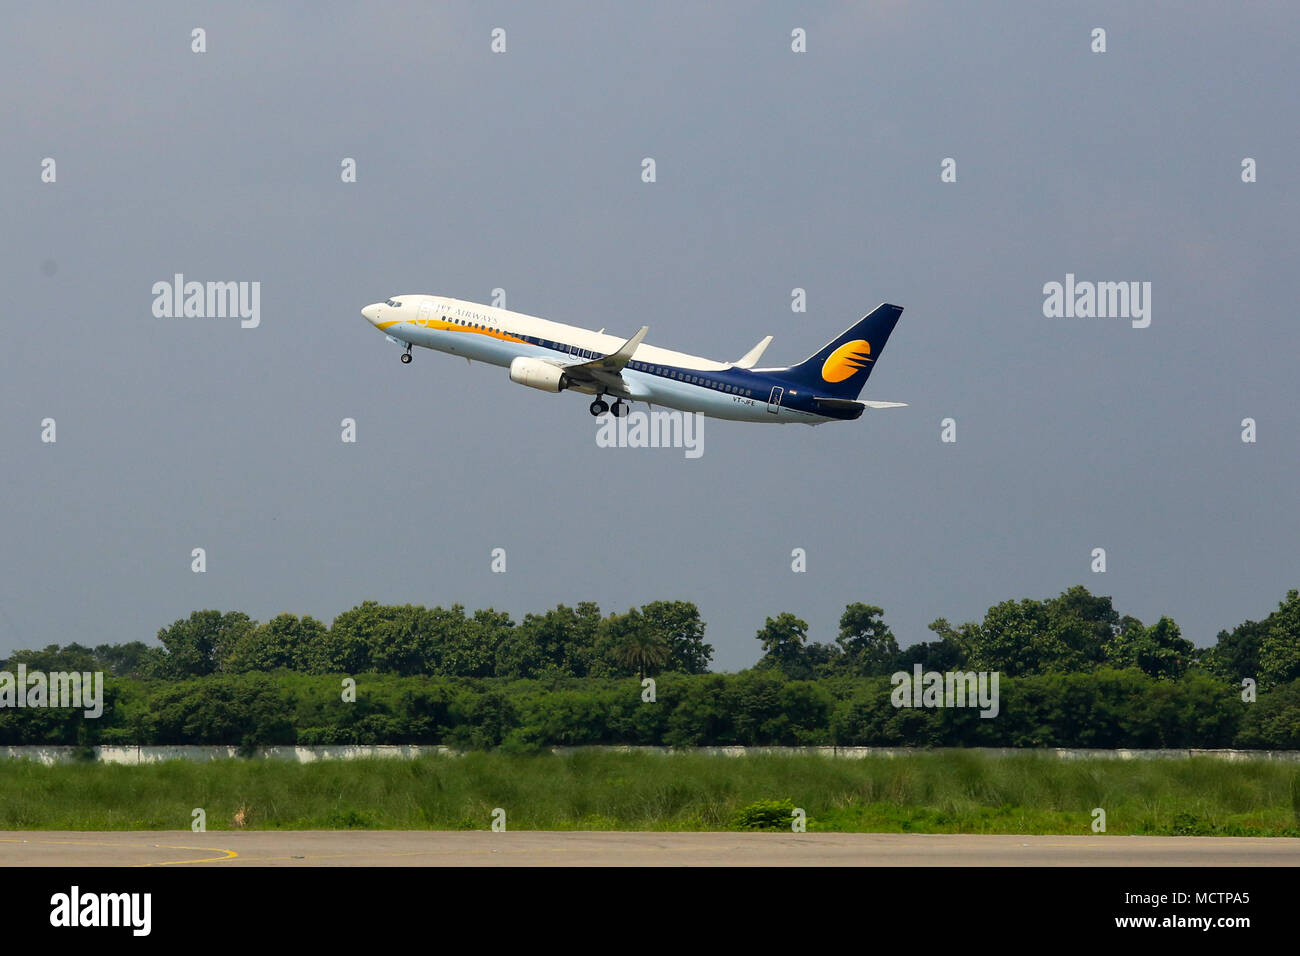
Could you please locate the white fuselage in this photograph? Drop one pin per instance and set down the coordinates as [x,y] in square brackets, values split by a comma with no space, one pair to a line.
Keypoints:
[657,376]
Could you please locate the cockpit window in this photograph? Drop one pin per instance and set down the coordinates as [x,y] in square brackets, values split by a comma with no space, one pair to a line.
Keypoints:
[394,303]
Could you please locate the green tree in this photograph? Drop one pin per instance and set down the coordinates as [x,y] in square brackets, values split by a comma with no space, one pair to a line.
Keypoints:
[52,657]
[198,645]
[679,624]
[581,655]
[945,654]
[133,659]
[1279,650]
[1024,637]
[472,650]
[783,639]
[633,643]
[415,639]
[1159,650]
[1273,722]
[818,661]
[1235,654]
[1084,623]
[354,635]
[869,645]
[561,642]
[483,720]
[285,641]
[250,710]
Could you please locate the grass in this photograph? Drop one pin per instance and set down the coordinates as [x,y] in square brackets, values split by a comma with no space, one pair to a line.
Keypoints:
[952,792]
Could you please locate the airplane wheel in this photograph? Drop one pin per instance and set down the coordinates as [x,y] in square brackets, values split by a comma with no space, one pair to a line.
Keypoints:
[598,407]
[406,358]
[620,410]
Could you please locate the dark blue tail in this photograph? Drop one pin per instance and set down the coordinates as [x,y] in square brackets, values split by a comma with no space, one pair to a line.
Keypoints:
[842,366]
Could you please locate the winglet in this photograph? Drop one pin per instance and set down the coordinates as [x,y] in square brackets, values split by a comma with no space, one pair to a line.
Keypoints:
[750,358]
[620,358]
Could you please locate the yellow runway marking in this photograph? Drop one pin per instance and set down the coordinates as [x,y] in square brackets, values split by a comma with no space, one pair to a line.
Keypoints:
[229,855]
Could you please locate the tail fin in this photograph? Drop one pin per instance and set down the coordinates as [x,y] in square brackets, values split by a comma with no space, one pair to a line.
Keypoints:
[842,366]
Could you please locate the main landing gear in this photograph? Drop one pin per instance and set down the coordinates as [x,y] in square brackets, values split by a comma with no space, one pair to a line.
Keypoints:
[600,407]
[406,356]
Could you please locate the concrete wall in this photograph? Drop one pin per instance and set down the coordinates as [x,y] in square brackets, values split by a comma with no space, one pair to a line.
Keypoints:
[141,755]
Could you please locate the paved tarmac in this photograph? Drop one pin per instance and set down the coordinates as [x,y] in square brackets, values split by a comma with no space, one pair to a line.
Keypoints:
[551,848]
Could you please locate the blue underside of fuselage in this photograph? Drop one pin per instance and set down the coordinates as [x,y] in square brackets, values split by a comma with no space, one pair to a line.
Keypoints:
[733,393]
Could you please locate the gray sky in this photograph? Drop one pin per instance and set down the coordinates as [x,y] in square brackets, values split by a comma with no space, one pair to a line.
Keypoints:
[776,170]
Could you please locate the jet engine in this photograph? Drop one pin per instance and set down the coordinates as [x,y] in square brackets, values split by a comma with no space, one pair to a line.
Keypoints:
[538,374]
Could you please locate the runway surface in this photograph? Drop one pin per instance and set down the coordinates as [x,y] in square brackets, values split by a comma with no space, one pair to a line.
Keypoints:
[549,848]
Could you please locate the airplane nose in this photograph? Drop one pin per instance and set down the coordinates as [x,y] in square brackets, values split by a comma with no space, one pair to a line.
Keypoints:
[371,313]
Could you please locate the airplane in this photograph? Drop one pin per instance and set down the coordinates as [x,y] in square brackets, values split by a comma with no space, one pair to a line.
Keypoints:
[554,357]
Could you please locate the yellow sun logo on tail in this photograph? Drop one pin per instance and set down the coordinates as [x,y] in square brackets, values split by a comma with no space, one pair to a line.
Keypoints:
[846,360]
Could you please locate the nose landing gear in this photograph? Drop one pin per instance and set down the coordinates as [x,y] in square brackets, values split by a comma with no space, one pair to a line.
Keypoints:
[406,356]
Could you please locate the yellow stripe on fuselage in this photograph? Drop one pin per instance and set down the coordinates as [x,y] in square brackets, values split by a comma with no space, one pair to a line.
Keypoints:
[442,325]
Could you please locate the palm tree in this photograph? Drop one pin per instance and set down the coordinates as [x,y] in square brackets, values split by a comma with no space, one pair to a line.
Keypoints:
[636,645]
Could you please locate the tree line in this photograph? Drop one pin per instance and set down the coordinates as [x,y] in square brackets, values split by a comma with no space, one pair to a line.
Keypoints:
[406,640]
[1074,633]
[760,707]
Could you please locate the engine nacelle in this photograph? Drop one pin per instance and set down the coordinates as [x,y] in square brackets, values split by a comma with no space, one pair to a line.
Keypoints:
[538,374]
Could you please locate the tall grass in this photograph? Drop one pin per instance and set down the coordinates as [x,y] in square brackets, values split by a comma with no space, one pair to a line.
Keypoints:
[951,792]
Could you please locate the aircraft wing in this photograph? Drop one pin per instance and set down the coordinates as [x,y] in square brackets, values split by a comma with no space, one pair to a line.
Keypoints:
[606,371]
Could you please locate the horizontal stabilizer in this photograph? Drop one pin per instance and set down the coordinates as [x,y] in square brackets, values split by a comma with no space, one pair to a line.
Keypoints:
[751,357]
[853,404]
